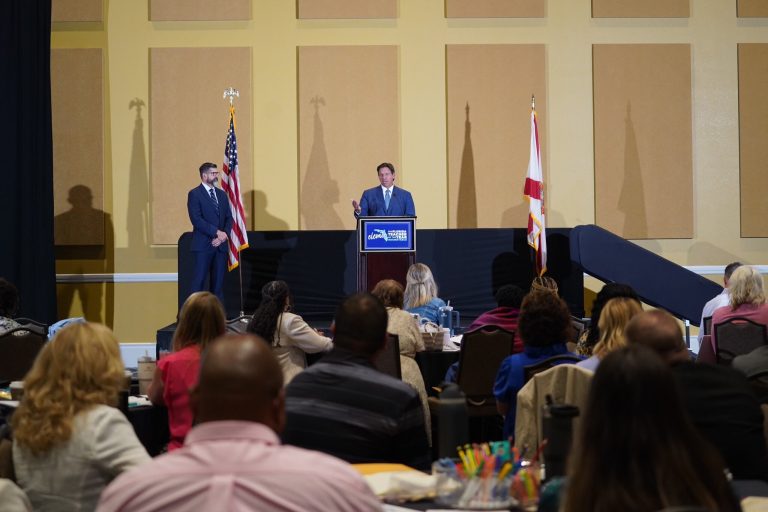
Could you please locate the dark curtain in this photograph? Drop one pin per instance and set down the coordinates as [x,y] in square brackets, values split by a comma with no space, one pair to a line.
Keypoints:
[26,150]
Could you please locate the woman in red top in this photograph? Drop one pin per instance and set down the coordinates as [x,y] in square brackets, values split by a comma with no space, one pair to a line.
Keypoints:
[201,320]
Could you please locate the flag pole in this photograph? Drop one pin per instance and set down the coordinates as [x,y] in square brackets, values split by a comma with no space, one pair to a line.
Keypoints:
[231,93]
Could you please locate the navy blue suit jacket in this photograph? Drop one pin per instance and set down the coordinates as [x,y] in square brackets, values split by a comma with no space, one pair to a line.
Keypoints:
[400,204]
[205,220]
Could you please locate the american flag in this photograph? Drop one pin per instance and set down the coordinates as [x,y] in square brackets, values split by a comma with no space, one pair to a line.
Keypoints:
[534,191]
[230,182]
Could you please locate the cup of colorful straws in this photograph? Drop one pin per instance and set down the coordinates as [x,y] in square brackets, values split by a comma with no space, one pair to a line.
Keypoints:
[487,476]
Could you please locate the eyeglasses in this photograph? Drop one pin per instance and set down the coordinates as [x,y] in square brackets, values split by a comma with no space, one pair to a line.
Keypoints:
[213,172]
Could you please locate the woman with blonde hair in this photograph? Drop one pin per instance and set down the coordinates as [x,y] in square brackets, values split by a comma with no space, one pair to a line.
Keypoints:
[747,299]
[68,440]
[401,323]
[201,321]
[613,321]
[420,295]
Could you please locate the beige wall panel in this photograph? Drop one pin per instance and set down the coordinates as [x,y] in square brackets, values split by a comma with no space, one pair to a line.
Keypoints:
[489,90]
[188,126]
[199,10]
[495,9]
[640,9]
[752,8]
[349,122]
[753,133]
[643,145]
[78,146]
[340,9]
[77,10]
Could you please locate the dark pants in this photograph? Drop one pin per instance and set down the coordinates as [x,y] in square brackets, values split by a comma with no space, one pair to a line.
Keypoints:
[209,264]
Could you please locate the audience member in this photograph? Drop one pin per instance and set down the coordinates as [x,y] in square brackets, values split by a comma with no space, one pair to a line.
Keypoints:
[636,450]
[402,324]
[290,336]
[201,320]
[544,284]
[719,400]
[589,337]
[421,293]
[9,303]
[343,406]
[747,299]
[508,299]
[614,318]
[544,326]
[720,300]
[68,443]
[232,458]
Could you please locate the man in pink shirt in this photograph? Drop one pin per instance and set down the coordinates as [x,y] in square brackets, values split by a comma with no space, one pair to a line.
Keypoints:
[232,459]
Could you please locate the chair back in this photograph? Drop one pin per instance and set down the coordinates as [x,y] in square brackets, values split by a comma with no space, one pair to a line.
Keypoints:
[532,369]
[482,351]
[388,359]
[737,336]
[578,326]
[707,321]
[18,350]
[706,352]
[565,384]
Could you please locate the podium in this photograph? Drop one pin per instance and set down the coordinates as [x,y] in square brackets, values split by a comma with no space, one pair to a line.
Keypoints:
[386,247]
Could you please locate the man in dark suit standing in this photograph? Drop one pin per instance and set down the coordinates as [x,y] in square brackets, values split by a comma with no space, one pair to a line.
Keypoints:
[386,200]
[211,220]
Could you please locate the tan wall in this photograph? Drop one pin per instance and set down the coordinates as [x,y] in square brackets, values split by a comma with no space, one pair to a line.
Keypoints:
[421,32]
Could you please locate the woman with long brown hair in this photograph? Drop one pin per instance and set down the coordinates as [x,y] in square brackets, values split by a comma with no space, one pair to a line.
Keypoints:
[201,321]
[289,335]
[636,450]
[68,442]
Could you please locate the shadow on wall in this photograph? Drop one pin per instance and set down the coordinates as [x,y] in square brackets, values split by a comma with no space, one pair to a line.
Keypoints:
[261,215]
[84,238]
[137,216]
[705,253]
[319,193]
[466,207]
[632,195]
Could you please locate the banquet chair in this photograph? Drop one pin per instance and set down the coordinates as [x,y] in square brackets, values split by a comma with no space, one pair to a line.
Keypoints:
[532,369]
[482,351]
[388,359]
[706,352]
[18,350]
[737,336]
[564,383]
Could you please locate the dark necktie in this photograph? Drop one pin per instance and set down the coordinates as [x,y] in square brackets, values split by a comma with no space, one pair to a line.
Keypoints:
[213,197]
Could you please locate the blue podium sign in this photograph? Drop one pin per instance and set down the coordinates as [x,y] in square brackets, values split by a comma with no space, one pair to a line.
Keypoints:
[387,234]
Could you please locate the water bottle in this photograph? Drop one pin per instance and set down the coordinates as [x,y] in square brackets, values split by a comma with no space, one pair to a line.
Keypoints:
[146,372]
[453,422]
[557,427]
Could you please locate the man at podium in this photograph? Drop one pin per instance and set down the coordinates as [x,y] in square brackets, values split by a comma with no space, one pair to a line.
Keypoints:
[386,200]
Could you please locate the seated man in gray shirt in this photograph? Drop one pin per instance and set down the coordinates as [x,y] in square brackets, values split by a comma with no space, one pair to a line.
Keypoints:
[345,407]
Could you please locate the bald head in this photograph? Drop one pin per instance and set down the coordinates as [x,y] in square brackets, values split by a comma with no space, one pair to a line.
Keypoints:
[659,331]
[240,379]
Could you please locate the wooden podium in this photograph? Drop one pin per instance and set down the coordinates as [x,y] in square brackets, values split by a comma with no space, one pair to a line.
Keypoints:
[386,248]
